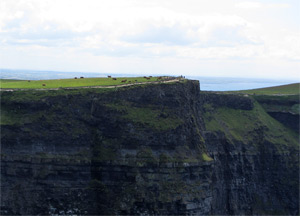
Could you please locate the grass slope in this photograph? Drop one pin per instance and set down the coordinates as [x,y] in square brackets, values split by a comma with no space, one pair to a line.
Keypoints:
[279,103]
[280,90]
[63,83]
[241,125]
[9,80]
[149,116]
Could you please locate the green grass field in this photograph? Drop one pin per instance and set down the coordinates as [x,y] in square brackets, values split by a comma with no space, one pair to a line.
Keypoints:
[283,89]
[10,80]
[64,83]
[240,125]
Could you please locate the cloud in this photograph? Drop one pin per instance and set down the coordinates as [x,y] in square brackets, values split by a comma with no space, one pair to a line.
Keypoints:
[219,31]
[46,22]
[137,29]
[124,31]
[287,48]
[198,31]
[277,5]
[260,5]
[228,36]
[248,5]
[174,35]
[46,34]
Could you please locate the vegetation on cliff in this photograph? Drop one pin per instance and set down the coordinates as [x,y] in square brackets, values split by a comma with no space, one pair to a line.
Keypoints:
[290,89]
[242,125]
[75,82]
[156,117]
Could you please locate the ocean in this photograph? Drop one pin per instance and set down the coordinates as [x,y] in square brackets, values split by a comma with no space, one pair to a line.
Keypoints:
[232,84]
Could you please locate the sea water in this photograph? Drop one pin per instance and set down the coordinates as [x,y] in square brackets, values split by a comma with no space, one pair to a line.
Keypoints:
[232,84]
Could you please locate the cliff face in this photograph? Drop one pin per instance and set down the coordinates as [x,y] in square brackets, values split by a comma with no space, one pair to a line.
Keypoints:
[256,160]
[155,149]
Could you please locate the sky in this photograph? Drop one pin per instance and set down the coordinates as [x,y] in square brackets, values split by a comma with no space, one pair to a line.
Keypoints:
[232,38]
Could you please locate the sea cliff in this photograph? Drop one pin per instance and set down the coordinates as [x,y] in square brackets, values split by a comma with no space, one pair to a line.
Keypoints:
[151,149]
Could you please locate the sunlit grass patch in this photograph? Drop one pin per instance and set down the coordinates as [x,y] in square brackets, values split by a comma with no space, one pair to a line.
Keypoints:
[78,82]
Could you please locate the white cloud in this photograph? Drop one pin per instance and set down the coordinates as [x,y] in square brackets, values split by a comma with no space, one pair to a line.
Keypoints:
[248,4]
[287,48]
[278,5]
[256,5]
[137,25]
[150,30]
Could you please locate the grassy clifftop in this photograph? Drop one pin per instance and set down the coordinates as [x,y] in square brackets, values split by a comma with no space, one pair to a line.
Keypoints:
[78,82]
[290,89]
